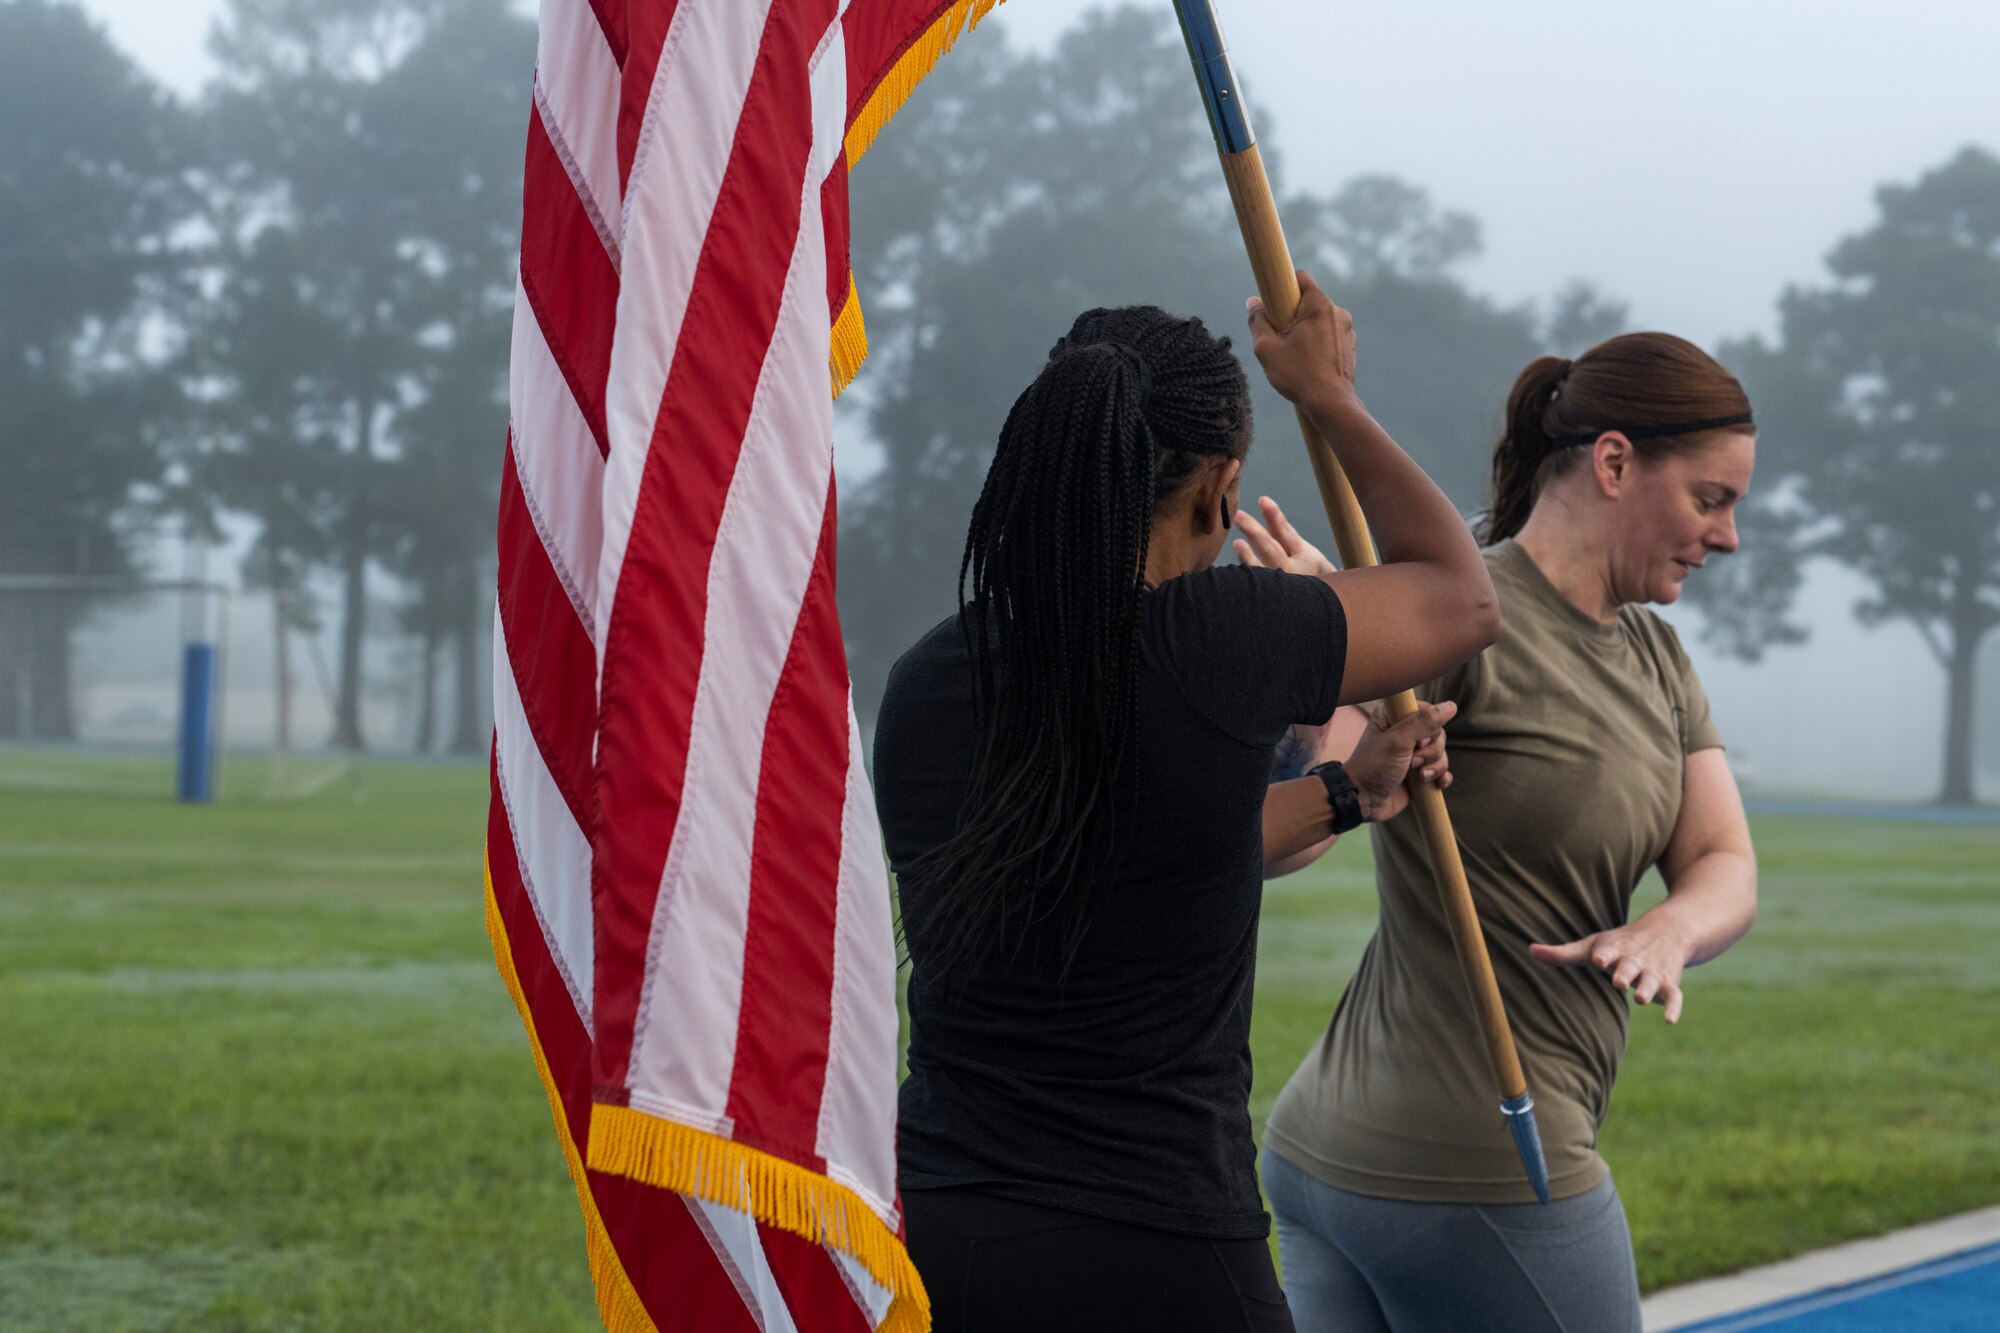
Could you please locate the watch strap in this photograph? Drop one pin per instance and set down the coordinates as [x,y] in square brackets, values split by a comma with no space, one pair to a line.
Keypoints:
[1340,794]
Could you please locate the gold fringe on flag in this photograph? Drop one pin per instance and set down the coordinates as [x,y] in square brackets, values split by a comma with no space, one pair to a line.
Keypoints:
[850,340]
[850,335]
[917,60]
[673,1156]
[618,1301]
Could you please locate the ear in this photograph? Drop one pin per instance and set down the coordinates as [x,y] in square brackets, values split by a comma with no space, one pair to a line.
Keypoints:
[1215,493]
[1612,459]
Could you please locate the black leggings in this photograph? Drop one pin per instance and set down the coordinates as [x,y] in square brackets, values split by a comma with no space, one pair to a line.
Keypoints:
[992,1265]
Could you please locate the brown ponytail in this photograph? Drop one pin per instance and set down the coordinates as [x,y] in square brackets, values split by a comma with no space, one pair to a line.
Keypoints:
[1663,392]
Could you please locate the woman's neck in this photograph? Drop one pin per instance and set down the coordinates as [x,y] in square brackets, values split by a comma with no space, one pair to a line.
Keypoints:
[1573,565]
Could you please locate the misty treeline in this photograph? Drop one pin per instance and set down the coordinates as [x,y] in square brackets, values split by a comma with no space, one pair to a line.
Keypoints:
[290,300]
[287,302]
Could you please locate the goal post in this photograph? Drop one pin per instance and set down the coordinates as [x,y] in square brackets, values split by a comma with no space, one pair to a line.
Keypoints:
[203,659]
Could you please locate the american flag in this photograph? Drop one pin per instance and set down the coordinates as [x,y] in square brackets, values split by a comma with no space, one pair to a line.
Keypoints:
[685,885]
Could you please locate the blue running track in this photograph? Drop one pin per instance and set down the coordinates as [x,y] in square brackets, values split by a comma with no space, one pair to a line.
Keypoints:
[1959,1293]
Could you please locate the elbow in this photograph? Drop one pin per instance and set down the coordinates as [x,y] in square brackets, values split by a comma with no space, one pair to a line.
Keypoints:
[1478,617]
[1484,617]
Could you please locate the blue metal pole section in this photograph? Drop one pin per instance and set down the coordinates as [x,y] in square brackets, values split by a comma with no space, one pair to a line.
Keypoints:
[197,749]
[1228,115]
[1270,259]
[1520,1113]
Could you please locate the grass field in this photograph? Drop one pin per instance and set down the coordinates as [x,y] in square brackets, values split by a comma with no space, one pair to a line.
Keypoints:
[259,1073]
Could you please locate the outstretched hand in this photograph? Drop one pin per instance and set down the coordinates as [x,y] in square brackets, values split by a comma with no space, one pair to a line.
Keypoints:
[1388,753]
[1644,958]
[1276,544]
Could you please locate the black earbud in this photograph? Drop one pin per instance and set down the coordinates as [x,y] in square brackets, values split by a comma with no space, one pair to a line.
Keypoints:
[1225,515]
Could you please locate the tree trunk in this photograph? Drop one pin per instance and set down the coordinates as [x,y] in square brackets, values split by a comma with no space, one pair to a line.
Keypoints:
[353,618]
[472,725]
[1960,694]
[281,655]
[427,693]
[354,568]
[13,677]
[51,713]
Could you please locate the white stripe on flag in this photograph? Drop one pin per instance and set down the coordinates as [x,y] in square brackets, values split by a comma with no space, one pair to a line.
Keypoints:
[859,1103]
[757,576]
[873,1298]
[735,1240]
[576,88]
[554,854]
[703,76]
[561,472]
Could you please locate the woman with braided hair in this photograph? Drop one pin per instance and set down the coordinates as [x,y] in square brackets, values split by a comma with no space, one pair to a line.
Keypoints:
[1072,775]
[1584,755]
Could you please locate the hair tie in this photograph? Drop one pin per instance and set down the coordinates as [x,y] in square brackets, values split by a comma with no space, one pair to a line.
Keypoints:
[1137,360]
[1657,432]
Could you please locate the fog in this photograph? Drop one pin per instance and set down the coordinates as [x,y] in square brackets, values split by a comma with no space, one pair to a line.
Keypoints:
[1691,162]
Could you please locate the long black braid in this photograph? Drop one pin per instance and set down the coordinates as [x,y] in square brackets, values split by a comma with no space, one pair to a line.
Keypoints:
[1122,416]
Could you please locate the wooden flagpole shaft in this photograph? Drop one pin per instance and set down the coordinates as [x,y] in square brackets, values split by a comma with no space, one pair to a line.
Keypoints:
[1278,284]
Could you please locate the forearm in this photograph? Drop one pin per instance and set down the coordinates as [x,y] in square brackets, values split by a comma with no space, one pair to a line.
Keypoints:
[1710,904]
[1297,861]
[1411,519]
[1297,816]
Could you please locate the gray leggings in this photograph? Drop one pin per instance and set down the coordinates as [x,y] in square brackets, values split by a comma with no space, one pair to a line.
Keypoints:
[1353,1264]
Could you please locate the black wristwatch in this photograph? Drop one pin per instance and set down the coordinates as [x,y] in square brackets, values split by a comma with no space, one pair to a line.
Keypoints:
[1340,794]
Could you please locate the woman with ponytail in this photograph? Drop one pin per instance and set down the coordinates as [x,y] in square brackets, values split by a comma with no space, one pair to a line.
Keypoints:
[1584,755]
[1072,774]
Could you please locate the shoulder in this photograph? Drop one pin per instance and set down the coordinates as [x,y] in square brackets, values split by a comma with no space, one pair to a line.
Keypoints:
[1660,644]
[925,663]
[1242,591]
[1648,629]
[1508,565]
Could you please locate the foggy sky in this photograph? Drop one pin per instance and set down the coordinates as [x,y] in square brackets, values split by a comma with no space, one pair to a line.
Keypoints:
[1692,159]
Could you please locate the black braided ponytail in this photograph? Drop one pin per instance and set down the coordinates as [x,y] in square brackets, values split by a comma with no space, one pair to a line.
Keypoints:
[1122,416]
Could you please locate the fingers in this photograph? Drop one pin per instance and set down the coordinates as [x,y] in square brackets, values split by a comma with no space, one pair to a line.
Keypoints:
[1575,954]
[1654,988]
[1244,555]
[1626,972]
[1430,762]
[1260,323]
[1423,732]
[1259,541]
[1281,527]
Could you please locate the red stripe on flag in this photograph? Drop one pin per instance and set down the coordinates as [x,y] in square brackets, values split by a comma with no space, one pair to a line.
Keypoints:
[571,285]
[833,207]
[787,1010]
[664,1254]
[554,663]
[815,1290]
[564,1042]
[611,19]
[645,33]
[652,657]
[668,1258]
[878,32]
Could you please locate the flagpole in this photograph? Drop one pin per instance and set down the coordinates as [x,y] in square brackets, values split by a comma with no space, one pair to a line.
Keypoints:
[1277,283]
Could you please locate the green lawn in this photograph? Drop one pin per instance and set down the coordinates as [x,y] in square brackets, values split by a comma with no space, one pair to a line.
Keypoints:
[259,1073]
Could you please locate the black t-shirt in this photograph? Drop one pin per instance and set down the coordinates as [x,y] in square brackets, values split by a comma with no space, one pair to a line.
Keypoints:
[1120,1088]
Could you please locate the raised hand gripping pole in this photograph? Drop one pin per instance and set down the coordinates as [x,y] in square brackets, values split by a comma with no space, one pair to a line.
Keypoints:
[1277,283]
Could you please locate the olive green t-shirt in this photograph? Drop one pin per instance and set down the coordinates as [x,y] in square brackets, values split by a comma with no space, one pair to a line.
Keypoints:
[1568,752]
